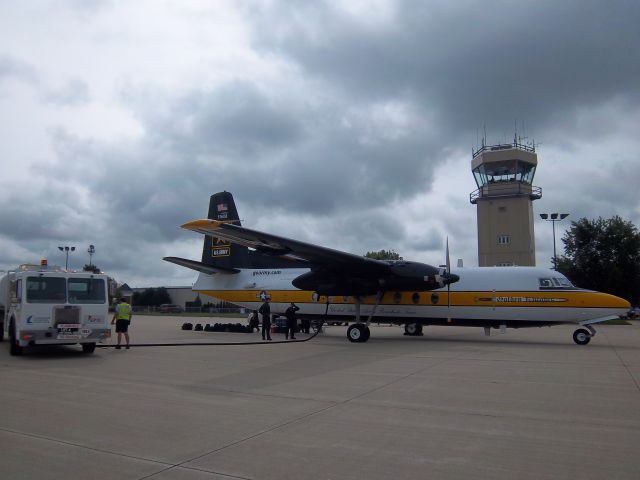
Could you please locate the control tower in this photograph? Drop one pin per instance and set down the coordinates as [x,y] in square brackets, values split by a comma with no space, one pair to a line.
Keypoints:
[504,175]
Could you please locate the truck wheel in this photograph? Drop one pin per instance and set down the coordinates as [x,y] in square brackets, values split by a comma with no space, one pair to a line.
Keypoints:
[14,348]
[2,332]
[88,347]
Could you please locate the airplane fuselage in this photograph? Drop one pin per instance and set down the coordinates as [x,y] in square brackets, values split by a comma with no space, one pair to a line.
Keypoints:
[484,296]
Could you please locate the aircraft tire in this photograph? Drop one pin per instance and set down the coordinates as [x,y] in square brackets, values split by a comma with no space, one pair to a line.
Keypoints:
[413,329]
[357,333]
[14,348]
[581,336]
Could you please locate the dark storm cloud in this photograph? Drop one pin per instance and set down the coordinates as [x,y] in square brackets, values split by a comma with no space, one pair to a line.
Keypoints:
[471,63]
[332,170]
[235,120]
[282,153]
[134,185]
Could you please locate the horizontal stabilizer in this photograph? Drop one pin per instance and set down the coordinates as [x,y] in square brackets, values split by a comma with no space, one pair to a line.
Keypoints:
[199,266]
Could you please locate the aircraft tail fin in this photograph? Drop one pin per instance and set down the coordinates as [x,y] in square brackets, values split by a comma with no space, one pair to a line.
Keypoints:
[221,254]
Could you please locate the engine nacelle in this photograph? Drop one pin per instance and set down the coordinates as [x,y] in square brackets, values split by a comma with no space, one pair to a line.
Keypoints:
[400,276]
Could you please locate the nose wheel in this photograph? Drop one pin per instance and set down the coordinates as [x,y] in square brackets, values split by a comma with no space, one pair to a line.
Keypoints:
[582,336]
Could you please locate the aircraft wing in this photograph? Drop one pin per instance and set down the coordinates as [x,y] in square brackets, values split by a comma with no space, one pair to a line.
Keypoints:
[270,244]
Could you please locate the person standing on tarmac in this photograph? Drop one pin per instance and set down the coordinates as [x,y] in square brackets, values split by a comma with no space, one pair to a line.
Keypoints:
[254,321]
[122,319]
[306,325]
[265,311]
[290,313]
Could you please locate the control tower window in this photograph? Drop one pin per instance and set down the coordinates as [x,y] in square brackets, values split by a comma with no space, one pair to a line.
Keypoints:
[506,171]
[525,172]
[504,239]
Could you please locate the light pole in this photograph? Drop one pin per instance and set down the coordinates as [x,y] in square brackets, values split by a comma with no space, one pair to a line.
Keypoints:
[553,218]
[91,251]
[66,251]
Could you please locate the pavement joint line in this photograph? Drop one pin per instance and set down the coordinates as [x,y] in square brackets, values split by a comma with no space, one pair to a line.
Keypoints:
[555,421]
[84,447]
[196,469]
[626,367]
[535,362]
[123,455]
[302,417]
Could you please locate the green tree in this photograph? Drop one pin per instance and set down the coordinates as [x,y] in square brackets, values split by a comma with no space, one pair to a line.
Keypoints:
[151,297]
[603,255]
[384,255]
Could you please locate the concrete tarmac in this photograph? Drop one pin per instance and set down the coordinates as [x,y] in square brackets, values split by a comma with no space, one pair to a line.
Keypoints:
[452,404]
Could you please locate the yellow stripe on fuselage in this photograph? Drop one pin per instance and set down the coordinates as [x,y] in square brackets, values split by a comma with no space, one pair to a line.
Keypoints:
[557,298]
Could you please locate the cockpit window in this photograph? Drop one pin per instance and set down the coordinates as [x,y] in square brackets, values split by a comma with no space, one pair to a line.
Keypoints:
[555,283]
[545,283]
[562,282]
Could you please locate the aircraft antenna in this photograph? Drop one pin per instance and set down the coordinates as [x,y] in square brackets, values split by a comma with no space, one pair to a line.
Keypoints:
[448,266]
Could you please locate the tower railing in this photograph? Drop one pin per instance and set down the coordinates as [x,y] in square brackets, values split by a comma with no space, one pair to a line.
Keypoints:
[506,189]
[503,146]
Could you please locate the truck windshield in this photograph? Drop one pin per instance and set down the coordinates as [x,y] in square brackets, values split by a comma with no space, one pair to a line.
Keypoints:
[86,290]
[46,289]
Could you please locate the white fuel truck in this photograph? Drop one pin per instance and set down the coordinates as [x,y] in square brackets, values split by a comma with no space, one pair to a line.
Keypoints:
[45,305]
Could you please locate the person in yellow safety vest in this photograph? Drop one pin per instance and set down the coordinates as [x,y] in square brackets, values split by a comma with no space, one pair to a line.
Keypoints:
[122,319]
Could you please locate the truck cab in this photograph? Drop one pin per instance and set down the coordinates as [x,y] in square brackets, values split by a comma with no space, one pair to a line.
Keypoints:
[42,305]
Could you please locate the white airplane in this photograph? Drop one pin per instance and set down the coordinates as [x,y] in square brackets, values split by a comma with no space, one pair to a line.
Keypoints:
[245,267]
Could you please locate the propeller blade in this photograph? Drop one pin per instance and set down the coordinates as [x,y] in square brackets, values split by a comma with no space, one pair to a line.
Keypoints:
[448,263]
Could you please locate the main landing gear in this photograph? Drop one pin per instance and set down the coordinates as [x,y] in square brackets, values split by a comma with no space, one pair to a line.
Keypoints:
[413,329]
[359,332]
[582,336]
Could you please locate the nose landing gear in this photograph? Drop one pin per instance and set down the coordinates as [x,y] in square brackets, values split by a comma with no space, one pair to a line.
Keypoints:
[582,336]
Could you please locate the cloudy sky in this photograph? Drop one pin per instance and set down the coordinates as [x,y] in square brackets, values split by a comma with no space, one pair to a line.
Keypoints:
[344,123]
